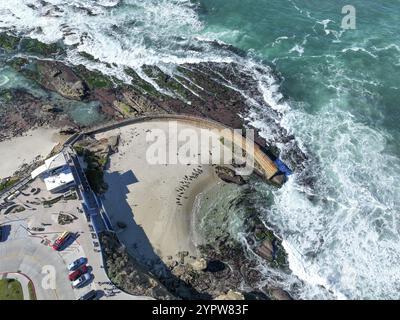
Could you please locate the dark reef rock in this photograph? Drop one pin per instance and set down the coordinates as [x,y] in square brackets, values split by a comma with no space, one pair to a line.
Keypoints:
[21,111]
[58,77]
[279,294]
[228,175]
[10,43]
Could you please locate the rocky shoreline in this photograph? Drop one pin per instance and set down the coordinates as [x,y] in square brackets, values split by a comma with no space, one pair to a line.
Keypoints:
[216,91]
[224,268]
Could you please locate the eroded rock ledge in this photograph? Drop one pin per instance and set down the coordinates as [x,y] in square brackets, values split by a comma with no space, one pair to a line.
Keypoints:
[204,89]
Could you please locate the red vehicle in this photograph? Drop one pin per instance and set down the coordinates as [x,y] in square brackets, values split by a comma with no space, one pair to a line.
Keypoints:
[57,245]
[77,273]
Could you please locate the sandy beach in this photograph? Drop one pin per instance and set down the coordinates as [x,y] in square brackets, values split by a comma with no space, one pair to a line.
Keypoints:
[24,149]
[154,202]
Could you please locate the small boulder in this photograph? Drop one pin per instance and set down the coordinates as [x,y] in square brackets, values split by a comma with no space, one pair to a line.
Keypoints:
[48,108]
[58,77]
[68,131]
[279,294]
[228,175]
[230,295]
[199,265]
[266,250]
[279,180]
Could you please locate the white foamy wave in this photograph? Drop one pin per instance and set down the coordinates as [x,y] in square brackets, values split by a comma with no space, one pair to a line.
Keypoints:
[309,274]
[279,40]
[3,80]
[346,232]
[131,33]
[297,48]
[108,3]
[358,49]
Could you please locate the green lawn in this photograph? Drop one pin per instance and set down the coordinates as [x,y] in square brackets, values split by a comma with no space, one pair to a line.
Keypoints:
[7,184]
[10,289]
[31,289]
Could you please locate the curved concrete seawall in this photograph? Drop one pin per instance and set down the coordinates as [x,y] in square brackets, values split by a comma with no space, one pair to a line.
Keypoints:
[266,165]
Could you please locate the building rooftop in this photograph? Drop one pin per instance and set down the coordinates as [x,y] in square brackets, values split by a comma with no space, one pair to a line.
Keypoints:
[59,180]
[52,163]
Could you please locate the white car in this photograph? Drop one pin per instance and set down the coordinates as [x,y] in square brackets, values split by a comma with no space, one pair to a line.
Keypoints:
[82,280]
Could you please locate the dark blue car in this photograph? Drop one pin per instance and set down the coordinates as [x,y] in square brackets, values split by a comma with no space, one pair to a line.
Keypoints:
[77,263]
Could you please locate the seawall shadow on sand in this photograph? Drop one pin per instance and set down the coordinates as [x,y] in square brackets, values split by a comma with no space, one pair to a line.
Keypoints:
[133,236]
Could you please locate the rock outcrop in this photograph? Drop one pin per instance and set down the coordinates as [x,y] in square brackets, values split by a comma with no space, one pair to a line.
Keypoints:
[206,89]
[58,77]
[279,294]
[127,273]
[199,264]
[228,175]
[231,295]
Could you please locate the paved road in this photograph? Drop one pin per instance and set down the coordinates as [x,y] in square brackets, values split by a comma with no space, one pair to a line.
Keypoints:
[28,255]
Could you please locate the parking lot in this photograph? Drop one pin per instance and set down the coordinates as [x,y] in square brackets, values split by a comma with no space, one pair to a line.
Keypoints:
[27,237]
